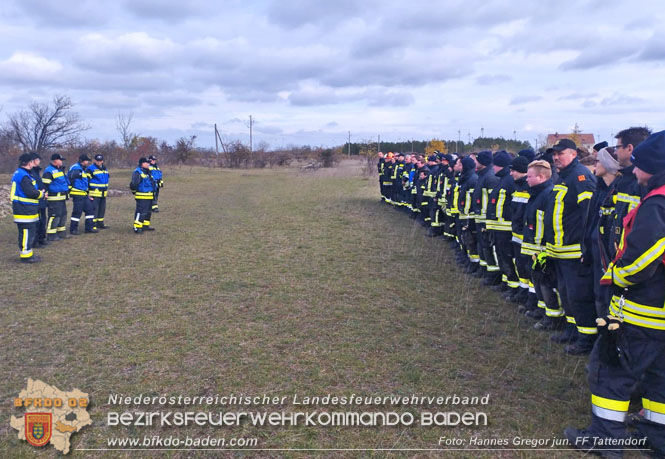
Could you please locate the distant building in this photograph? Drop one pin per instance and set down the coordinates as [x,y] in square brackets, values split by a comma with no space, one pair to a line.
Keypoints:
[582,140]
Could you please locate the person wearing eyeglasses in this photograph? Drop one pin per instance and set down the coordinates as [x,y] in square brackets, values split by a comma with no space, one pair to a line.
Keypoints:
[564,217]
[631,349]
[628,191]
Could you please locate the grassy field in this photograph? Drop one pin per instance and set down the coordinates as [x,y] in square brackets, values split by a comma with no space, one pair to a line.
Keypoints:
[280,282]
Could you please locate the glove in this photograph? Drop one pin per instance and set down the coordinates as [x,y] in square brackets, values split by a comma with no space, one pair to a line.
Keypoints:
[612,350]
[161,183]
[539,262]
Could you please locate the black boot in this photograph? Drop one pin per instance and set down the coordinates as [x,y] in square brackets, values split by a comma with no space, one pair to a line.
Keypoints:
[568,334]
[582,345]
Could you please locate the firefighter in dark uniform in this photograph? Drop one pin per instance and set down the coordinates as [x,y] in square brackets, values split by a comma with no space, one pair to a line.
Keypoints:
[98,190]
[486,183]
[422,201]
[79,180]
[446,179]
[547,308]
[499,220]
[143,187]
[157,176]
[57,186]
[467,223]
[41,240]
[634,351]
[25,197]
[379,168]
[518,201]
[387,181]
[398,188]
[432,193]
[564,233]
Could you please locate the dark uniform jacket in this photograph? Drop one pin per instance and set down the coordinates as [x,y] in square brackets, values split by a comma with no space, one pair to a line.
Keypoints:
[468,182]
[518,203]
[567,210]
[499,211]
[534,218]
[628,195]
[486,183]
[638,271]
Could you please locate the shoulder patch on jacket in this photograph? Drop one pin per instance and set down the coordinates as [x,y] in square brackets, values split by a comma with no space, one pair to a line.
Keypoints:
[581,178]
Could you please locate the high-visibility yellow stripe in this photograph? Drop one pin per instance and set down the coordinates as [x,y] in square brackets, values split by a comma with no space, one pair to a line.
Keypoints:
[587,330]
[540,227]
[583,195]
[609,404]
[649,256]
[557,218]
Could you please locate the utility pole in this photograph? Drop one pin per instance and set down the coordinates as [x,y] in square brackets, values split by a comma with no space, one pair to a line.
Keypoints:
[216,143]
[459,138]
[349,144]
[411,146]
[251,122]
[515,136]
[469,138]
[482,132]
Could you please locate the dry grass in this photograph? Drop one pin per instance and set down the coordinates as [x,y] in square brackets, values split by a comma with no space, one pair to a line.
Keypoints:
[279,282]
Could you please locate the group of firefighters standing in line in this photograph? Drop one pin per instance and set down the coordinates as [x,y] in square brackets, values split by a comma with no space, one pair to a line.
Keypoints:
[87,184]
[580,249]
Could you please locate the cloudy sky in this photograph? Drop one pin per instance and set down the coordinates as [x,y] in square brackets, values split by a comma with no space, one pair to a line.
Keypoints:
[310,71]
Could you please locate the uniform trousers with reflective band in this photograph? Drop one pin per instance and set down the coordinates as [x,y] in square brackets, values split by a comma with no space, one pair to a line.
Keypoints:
[423,206]
[155,197]
[100,211]
[486,251]
[544,285]
[96,203]
[470,239]
[41,224]
[503,244]
[521,264]
[26,238]
[435,217]
[57,217]
[142,214]
[575,287]
[611,386]
[82,204]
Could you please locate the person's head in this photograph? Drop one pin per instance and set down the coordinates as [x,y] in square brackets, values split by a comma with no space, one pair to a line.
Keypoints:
[519,167]
[380,154]
[431,160]
[400,158]
[597,147]
[538,172]
[649,158]
[56,160]
[564,152]
[99,160]
[484,159]
[608,163]
[144,163]
[26,161]
[468,164]
[84,160]
[528,153]
[588,161]
[36,159]
[407,159]
[501,159]
[458,166]
[627,140]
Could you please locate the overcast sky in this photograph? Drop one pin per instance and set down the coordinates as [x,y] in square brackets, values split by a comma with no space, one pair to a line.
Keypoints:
[310,71]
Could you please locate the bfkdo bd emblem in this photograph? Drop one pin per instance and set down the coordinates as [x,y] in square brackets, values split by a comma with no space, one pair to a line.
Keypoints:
[38,428]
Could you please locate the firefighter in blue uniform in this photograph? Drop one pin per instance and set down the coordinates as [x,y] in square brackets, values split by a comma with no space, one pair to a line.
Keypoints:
[98,190]
[633,351]
[565,216]
[157,176]
[57,186]
[79,181]
[41,239]
[499,220]
[480,199]
[143,187]
[25,197]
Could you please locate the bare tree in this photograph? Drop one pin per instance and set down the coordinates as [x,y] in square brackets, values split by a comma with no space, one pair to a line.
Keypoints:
[44,126]
[183,148]
[122,124]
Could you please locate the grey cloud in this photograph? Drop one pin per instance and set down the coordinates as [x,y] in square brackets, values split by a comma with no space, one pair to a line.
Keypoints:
[576,95]
[67,13]
[620,99]
[332,124]
[297,13]
[170,99]
[376,44]
[519,100]
[654,50]
[375,97]
[487,80]
[170,10]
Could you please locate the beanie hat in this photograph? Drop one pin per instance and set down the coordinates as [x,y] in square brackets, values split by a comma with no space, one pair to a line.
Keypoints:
[502,158]
[520,164]
[528,153]
[143,160]
[484,158]
[650,154]
[84,157]
[600,146]
[24,159]
[609,162]
[468,164]
[448,157]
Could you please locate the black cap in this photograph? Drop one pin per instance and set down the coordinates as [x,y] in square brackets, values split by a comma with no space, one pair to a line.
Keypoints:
[34,155]
[55,156]
[99,157]
[564,144]
[25,158]
[83,157]
[152,158]
[142,160]
[600,146]
[520,164]
[448,157]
